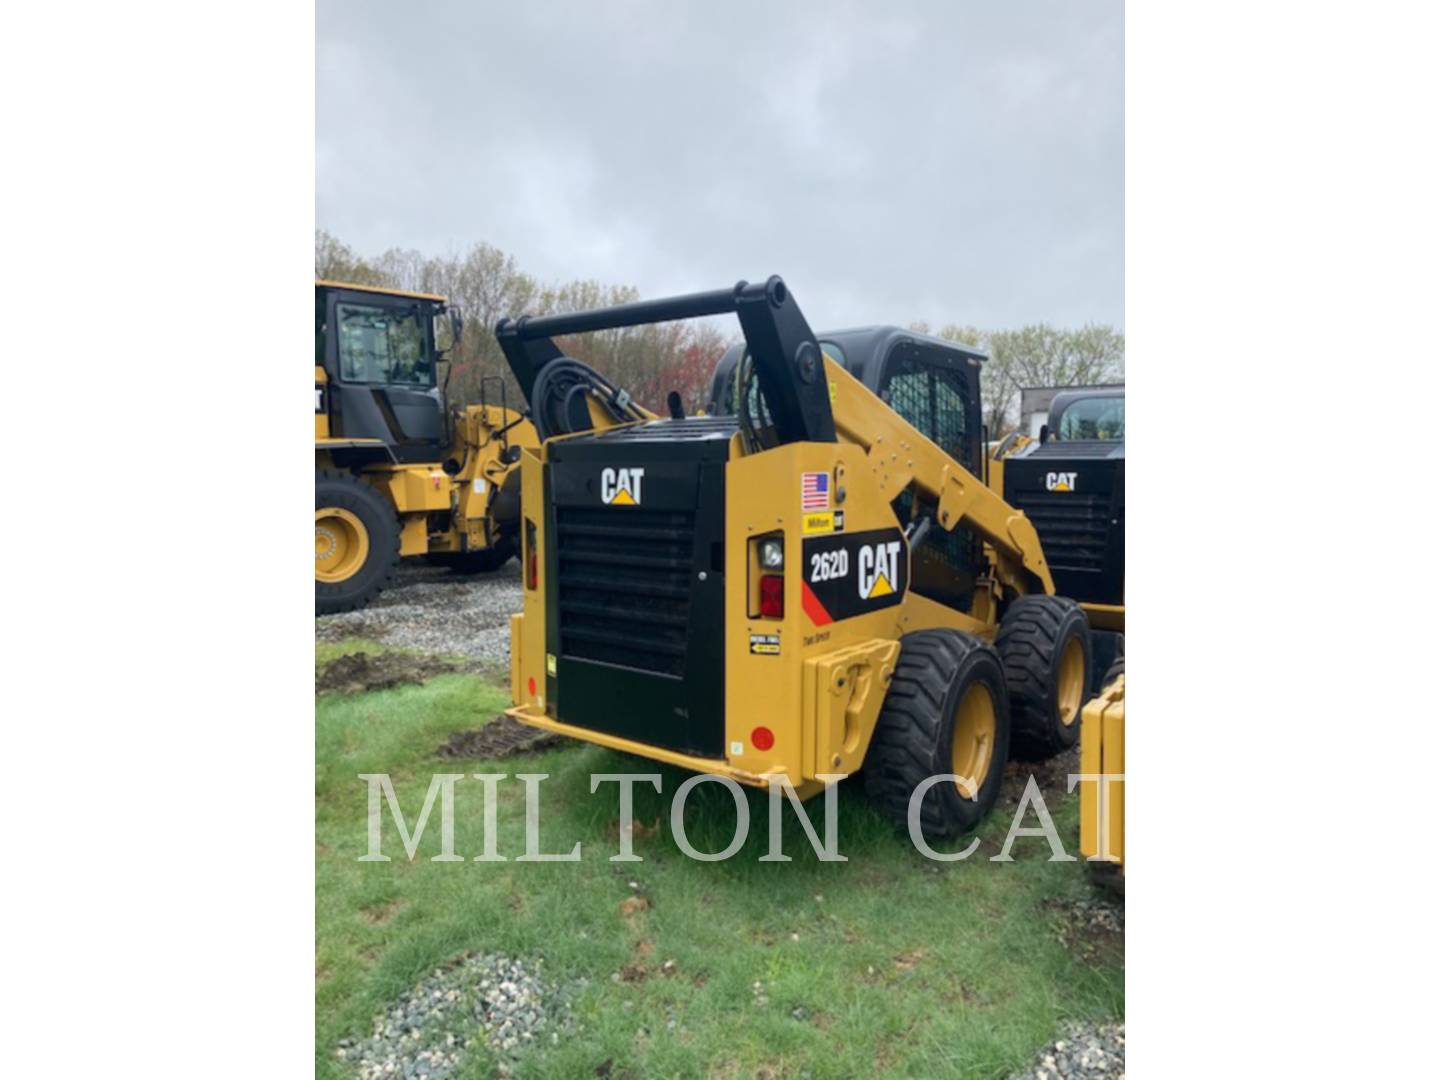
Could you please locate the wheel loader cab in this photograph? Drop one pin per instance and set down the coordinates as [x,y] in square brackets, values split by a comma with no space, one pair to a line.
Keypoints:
[377,351]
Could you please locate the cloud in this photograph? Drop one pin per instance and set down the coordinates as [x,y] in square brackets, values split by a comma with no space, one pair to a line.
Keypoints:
[942,161]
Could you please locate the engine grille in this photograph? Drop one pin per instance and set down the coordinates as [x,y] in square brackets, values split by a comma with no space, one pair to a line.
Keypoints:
[1073,527]
[624,586]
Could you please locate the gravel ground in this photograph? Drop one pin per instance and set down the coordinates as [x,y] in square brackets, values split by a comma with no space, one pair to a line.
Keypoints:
[1085,1051]
[486,999]
[434,610]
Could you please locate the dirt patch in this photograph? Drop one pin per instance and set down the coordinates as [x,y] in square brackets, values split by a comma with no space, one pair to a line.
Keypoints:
[359,673]
[1052,776]
[380,914]
[500,738]
[633,905]
[1092,929]
[906,961]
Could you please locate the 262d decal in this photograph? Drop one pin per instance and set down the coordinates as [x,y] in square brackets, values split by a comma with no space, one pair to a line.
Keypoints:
[853,574]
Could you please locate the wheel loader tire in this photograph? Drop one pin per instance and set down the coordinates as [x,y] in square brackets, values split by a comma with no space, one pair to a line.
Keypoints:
[1044,643]
[946,711]
[357,542]
[1116,670]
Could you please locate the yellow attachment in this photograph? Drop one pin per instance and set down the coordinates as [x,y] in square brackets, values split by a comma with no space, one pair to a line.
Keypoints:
[1102,752]
[1070,683]
[972,746]
[342,544]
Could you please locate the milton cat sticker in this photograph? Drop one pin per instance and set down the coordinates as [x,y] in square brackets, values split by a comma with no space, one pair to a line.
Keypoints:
[853,574]
[621,487]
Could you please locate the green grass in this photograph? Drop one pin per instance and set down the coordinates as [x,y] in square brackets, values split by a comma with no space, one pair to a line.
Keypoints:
[903,966]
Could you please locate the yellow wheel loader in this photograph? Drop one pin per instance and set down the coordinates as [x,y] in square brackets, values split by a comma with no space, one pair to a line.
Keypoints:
[812,579]
[395,473]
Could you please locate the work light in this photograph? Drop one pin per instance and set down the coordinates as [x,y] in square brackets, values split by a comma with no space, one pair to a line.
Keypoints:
[772,554]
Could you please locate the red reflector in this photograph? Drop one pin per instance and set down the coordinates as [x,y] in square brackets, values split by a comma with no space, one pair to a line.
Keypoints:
[532,570]
[762,738]
[772,596]
[532,685]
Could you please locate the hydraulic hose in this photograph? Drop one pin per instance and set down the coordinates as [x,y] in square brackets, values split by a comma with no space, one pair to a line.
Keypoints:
[559,402]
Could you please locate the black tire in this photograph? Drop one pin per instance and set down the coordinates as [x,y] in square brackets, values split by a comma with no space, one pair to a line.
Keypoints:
[1116,670]
[1034,636]
[349,492]
[914,733]
[479,562]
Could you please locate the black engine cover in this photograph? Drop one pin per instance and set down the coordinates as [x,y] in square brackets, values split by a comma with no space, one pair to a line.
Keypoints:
[635,606]
[1074,494]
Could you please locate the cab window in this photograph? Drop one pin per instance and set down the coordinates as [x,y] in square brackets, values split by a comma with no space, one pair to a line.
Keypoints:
[932,398]
[383,345]
[1093,418]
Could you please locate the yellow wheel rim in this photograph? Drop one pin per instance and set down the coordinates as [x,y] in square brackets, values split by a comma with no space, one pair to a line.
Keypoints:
[341,544]
[1070,684]
[973,744]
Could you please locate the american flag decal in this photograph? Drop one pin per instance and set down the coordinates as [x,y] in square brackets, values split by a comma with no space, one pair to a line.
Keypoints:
[814,491]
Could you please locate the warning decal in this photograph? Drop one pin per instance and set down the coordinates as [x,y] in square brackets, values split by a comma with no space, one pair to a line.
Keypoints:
[765,644]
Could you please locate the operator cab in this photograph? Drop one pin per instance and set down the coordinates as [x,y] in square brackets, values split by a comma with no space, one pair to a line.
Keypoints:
[378,350]
[934,385]
[1087,415]
[931,382]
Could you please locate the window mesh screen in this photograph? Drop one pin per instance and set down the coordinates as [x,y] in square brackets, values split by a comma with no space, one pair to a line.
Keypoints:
[935,400]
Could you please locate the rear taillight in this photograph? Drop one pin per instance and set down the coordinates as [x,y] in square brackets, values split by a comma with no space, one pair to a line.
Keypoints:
[772,596]
[532,558]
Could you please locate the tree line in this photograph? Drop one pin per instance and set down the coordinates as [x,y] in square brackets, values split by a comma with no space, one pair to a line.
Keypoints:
[650,361]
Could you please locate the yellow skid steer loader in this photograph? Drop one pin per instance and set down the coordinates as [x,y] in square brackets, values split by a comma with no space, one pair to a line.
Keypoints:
[812,580]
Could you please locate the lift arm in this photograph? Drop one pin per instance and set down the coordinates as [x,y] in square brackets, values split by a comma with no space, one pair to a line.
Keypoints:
[899,455]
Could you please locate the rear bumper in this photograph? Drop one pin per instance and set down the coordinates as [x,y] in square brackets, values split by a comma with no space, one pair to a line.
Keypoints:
[528,714]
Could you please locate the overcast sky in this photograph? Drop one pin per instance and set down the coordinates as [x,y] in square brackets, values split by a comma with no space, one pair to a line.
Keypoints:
[949,161]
